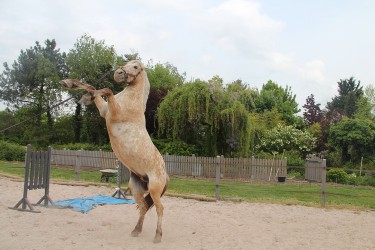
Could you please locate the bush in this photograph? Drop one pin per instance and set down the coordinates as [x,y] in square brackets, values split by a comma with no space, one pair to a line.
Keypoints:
[264,155]
[159,143]
[333,158]
[294,158]
[178,148]
[340,176]
[337,175]
[352,179]
[366,180]
[11,151]
[296,173]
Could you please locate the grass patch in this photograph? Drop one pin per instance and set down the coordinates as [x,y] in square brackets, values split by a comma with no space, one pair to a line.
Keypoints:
[338,196]
[57,173]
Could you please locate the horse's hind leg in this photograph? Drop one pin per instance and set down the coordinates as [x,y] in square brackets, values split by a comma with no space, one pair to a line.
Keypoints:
[156,191]
[138,188]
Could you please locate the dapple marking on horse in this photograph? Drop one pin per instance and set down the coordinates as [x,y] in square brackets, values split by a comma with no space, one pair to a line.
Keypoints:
[130,141]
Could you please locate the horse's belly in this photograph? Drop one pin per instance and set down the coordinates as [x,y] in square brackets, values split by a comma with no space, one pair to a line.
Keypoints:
[133,146]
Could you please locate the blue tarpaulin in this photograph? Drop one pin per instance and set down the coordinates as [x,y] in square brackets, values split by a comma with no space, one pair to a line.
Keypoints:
[86,204]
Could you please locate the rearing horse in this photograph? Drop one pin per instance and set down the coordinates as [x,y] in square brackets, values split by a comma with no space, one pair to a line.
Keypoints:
[130,141]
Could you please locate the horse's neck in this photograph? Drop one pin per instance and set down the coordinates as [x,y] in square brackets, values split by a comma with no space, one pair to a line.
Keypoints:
[144,86]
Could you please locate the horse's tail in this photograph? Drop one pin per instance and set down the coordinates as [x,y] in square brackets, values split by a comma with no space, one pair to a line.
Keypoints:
[148,198]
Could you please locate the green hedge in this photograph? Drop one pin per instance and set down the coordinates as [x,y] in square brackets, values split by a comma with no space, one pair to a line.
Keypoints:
[11,151]
[176,148]
[341,176]
[337,175]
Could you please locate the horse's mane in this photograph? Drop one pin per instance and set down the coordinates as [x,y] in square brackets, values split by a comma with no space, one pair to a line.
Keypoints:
[146,87]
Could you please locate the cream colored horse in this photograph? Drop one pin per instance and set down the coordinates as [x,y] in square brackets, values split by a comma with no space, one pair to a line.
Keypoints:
[126,125]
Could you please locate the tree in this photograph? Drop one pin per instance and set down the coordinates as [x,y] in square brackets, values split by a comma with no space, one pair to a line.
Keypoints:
[241,92]
[33,77]
[287,138]
[370,95]
[345,102]
[364,108]
[353,135]
[312,113]
[64,129]
[93,62]
[188,113]
[235,129]
[154,99]
[259,124]
[206,115]
[32,82]
[273,96]
[6,121]
[314,118]
[316,131]
[162,78]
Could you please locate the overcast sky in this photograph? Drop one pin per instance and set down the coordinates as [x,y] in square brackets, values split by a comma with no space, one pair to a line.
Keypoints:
[308,45]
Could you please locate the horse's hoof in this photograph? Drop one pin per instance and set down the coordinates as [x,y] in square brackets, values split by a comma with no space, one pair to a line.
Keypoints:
[86,99]
[135,233]
[67,83]
[157,238]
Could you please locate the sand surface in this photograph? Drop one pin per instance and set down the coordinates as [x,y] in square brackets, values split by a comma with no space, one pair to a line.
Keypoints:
[187,224]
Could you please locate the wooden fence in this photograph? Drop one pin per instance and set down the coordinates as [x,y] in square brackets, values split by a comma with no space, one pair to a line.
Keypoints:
[231,168]
[90,159]
[314,167]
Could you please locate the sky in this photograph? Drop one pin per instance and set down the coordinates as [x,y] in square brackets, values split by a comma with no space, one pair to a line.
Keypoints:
[307,45]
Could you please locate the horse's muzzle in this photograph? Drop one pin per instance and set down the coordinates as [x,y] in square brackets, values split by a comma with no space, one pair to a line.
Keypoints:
[119,75]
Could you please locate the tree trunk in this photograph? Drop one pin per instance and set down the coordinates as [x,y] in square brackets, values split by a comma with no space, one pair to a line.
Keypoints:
[345,157]
[77,123]
[52,137]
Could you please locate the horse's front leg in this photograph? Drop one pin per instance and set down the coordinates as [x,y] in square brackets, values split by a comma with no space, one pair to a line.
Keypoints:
[100,103]
[76,84]
[104,107]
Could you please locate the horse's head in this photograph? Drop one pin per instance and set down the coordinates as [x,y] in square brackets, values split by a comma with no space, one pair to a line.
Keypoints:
[129,72]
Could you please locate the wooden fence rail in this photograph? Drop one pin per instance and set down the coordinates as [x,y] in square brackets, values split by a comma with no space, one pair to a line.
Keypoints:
[231,168]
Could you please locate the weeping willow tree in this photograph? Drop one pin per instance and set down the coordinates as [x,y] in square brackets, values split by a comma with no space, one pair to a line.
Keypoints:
[235,127]
[207,116]
[188,113]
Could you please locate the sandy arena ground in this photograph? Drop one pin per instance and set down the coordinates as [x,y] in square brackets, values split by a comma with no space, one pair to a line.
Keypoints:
[187,224]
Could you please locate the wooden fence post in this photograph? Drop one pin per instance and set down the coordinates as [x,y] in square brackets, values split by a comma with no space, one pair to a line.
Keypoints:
[324,170]
[218,177]
[78,165]
[120,172]
[252,167]
[194,169]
